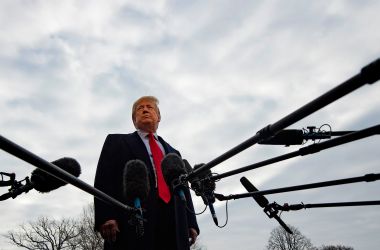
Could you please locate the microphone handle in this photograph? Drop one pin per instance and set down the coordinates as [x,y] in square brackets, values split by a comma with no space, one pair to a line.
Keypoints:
[181,194]
[137,203]
[139,218]
[213,214]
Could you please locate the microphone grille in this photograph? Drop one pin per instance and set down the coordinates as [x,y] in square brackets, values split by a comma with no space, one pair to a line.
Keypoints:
[172,167]
[135,180]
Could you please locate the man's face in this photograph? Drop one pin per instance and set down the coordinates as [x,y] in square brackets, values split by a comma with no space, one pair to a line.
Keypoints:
[146,116]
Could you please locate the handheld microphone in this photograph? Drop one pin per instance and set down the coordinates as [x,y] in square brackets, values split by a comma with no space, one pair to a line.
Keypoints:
[136,189]
[264,203]
[173,167]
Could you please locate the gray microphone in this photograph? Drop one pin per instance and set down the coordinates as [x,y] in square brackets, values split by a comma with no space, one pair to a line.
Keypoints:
[172,168]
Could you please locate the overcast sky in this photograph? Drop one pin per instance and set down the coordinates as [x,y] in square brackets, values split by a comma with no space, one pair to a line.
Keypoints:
[70,71]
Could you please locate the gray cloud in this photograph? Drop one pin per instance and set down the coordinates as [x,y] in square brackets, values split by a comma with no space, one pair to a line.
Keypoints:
[71,70]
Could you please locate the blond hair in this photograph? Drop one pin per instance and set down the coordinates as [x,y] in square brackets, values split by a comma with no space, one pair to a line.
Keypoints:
[150,98]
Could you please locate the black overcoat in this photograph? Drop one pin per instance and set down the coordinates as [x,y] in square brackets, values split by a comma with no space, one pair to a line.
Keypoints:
[167,224]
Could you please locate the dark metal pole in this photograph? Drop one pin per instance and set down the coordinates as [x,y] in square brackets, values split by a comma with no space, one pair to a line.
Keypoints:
[368,75]
[22,153]
[357,135]
[255,165]
[366,178]
[292,207]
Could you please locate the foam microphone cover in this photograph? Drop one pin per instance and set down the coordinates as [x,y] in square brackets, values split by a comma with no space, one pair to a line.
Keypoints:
[44,182]
[135,181]
[172,167]
[188,167]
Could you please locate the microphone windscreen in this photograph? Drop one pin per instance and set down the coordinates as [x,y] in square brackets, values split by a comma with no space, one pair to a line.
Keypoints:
[135,181]
[172,167]
[261,200]
[188,167]
[44,182]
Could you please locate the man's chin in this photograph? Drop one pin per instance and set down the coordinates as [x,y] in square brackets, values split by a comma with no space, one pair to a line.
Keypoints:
[147,126]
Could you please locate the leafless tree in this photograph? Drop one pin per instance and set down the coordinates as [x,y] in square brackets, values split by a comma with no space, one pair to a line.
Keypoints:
[88,238]
[64,234]
[45,234]
[338,247]
[281,240]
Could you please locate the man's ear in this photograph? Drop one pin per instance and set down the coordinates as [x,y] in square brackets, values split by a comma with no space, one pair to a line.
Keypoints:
[158,114]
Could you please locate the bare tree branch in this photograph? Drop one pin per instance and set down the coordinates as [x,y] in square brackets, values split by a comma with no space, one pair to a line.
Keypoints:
[64,234]
[282,240]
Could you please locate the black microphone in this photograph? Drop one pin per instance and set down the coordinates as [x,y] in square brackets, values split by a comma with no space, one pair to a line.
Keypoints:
[289,137]
[136,189]
[173,167]
[188,167]
[212,210]
[264,203]
[41,180]
[285,137]
[260,199]
[135,182]
[204,187]
[44,182]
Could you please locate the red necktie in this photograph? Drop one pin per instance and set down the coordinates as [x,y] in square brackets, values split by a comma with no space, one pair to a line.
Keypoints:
[163,189]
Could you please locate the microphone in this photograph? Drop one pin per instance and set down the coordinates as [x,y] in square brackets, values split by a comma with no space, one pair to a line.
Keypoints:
[264,203]
[188,167]
[44,182]
[260,199]
[136,189]
[212,210]
[289,137]
[135,181]
[285,137]
[41,180]
[204,187]
[173,167]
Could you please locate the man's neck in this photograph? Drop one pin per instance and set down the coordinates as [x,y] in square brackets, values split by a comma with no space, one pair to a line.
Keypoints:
[142,131]
[147,129]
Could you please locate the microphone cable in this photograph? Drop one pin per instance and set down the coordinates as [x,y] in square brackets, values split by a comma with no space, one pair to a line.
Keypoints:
[225,224]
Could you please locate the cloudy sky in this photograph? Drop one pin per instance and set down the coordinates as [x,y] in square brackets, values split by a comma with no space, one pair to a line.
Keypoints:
[70,71]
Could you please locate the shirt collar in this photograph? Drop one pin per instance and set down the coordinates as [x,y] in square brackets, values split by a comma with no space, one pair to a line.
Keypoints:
[144,134]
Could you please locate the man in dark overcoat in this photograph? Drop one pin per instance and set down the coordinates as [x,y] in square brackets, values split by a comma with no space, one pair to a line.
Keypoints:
[170,224]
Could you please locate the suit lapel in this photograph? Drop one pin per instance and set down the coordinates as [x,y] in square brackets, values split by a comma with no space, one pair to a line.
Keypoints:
[138,148]
[165,145]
